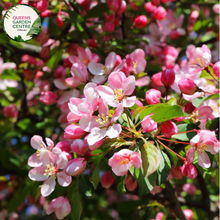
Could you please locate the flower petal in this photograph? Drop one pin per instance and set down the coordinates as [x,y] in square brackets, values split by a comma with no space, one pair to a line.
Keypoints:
[114,131]
[48,186]
[37,174]
[64,179]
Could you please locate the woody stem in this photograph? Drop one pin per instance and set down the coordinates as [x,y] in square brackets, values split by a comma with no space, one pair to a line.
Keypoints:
[179,142]
[184,159]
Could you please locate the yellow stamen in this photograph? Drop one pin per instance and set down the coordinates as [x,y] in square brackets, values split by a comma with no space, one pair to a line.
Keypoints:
[119,95]
[135,63]
[103,120]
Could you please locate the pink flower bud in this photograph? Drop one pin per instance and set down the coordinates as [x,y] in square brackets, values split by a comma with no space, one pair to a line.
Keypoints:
[79,146]
[73,132]
[114,5]
[118,60]
[92,43]
[60,206]
[65,148]
[95,145]
[176,173]
[152,96]
[169,128]
[59,21]
[42,5]
[156,78]
[48,98]
[140,21]
[110,27]
[149,7]
[216,69]
[43,37]
[188,170]
[44,53]
[155,2]
[123,7]
[148,124]
[189,188]
[159,216]
[202,55]
[168,77]
[75,167]
[174,34]
[10,111]
[187,86]
[46,13]
[188,213]
[107,179]
[130,185]
[160,13]
[216,8]
[189,108]
[59,72]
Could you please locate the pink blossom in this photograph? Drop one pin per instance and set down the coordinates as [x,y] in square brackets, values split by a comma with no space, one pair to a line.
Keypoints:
[202,55]
[99,69]
[169,128]
[46,13]
[156,78]
[48,98]
[168,77]
[148,124]
[188,170]
[118,89]
[205,140]
[93,146]
[10,111]
[136,62]
[122,161]
[160,13]
[75,167]
[59,72]
[79,146]
[43,153]
[42,5]
[149,7]
[187,86]
[216,8]
[130,183]
[51,170]
[59,21]
[155,2]
[102,125]
[189,188]
[110,27]
[216,69]
[152,96]
[176,172]
[140,21]
[159,216]
[188,213]
[73,131]
[107,179]
[92,43]
[60,206]
[117,5]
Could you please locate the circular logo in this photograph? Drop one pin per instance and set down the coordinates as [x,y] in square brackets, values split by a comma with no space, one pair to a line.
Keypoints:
[21,22]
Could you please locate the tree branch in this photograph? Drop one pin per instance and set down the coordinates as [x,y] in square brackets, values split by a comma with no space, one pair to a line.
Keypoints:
[174,200]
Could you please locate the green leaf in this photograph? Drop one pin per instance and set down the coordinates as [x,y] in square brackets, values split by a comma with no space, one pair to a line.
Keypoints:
[125,118]
[217,177]
[9,160]
[151,158]
[164,169]
[26,125]
[198,101]
[10,74]
[121,187]
[76,20]
[97,11]
[54,60]
[74,198]
[185,136]
[162,112]
[212,124]
[95,177]
[36,27]
[85,185]
[173,157]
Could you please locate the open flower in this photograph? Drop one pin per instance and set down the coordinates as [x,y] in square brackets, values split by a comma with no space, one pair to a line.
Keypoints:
[60,206]
[119,87]
[122,161]
[50,171]
[205,140]
[101,126]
